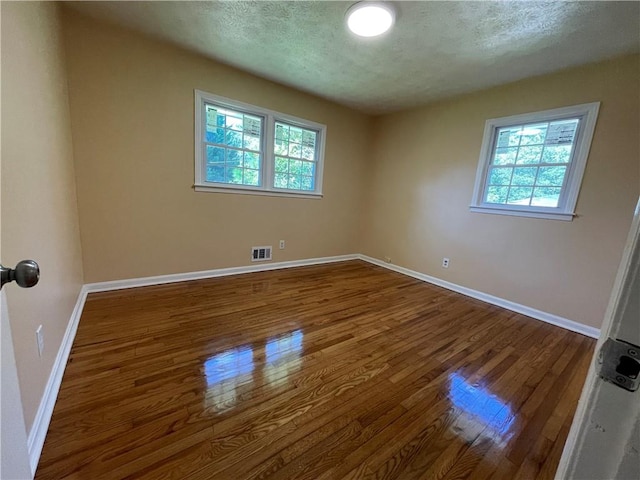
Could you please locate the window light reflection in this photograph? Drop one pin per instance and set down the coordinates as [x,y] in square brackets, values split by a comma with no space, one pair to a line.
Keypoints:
[282,357]
[224,373]
[481,404]
[288,344]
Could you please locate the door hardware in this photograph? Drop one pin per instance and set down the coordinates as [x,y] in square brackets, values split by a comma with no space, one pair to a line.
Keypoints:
[619,363]
[26,274]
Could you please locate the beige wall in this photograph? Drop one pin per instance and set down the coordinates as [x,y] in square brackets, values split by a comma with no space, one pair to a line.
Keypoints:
[425,164]
[39,212]
[132,113]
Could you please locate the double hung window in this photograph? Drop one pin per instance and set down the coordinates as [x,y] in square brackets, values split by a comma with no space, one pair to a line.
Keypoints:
[532,164]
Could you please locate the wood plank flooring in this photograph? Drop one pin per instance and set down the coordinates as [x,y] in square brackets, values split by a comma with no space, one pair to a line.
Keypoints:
[335,371]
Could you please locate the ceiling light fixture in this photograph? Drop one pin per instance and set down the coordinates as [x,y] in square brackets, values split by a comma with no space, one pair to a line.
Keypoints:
[370,19]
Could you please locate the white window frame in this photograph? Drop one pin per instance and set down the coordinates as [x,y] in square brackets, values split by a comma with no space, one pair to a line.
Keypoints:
[588,114]
[267,153]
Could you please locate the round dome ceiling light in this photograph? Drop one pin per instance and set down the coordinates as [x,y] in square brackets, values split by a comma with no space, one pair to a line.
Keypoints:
[370,19]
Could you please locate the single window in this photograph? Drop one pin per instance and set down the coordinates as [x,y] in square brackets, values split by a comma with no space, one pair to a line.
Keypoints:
[242,148]
[532,165]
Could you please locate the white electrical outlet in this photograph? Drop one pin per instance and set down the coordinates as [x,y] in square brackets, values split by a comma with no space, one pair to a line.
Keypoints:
[40,340]
[281,244]
[445,263]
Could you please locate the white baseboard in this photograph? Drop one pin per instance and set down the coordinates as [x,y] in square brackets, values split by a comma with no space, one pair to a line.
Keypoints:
[220,272]
[485,297]
[38,433]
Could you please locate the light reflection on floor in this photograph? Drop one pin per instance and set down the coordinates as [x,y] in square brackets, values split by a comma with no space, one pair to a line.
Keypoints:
[479,403]
[284,346]
[226,372]
[283,358]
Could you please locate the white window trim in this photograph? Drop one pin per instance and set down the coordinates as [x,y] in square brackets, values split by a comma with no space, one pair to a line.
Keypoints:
[270,117]
[569,195]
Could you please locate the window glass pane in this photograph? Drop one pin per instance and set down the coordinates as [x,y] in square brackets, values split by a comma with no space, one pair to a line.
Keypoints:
[295,134]
[282,164]
[214,118]
[282,132]
[505,156]
[251,177]
[308,168]
[235,121]
[221,120]
[557,154]
[295,167]
[251,142]
[552,176]
[233,139]
[234,158]
[295,150]
[508,137]
[233,175]
[561,132]
[294,182]
[281,148]
[215,173]
[497,194]
[529,154]
[500,176]
[545,197]
[533,134]
[309,139]
[252,160]
[519,195]
[211,114]
[280,180]
[214,135]
[307,183]
[524,176]
[308,153]
[252,125]
[215,154]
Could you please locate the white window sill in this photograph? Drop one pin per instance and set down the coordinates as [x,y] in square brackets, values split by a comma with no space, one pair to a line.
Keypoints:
[567,217]
[254,191]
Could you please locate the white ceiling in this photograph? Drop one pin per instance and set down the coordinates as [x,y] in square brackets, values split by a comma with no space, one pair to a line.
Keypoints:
[437,49]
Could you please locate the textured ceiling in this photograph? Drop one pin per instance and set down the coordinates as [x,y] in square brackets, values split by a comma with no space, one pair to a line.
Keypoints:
[437,49]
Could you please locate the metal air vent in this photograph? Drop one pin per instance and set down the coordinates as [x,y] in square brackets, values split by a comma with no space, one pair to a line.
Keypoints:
[261,254]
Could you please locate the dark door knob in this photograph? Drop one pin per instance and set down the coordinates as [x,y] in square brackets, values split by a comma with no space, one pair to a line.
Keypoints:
[26,274]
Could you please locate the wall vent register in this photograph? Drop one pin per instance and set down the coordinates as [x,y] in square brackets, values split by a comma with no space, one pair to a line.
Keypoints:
[261,254]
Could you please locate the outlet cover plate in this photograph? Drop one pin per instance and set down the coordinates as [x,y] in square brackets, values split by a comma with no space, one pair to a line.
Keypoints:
[40,340]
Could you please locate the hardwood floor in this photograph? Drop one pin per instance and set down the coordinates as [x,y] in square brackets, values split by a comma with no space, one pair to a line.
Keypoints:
[344,370]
